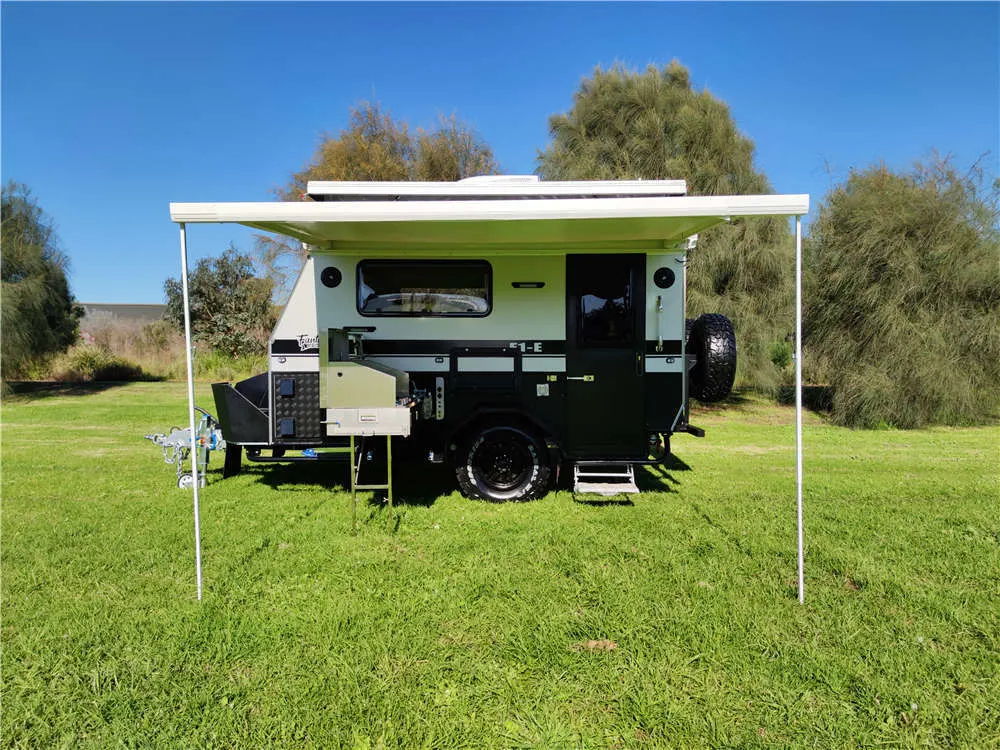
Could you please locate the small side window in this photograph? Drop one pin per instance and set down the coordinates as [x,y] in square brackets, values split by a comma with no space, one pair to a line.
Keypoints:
[425,288]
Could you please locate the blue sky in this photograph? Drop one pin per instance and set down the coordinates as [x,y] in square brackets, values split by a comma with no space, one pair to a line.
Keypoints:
[112,110]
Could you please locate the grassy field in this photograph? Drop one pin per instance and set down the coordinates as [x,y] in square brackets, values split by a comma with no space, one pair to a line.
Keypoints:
[667,622]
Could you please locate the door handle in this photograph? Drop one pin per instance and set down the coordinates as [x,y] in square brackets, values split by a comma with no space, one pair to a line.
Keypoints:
[584,378]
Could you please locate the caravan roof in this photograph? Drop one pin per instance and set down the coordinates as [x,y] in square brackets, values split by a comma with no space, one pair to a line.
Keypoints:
[493,187]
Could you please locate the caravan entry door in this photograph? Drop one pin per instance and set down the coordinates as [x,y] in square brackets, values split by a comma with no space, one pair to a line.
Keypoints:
[605,356]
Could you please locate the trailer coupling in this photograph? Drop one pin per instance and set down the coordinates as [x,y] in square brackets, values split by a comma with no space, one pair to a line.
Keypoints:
[176,447]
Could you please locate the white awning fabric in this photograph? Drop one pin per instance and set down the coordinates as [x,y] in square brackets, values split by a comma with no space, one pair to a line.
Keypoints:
[567,223]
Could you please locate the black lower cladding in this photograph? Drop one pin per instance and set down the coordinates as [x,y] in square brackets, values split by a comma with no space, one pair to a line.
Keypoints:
[534,400]
[664,398]
[296,416]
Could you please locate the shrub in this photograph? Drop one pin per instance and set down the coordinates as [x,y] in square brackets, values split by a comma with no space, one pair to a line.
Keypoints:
[85,363]
[781,356]
[218,366]
[903,312]
[230,307]
[38,313]
[159,336]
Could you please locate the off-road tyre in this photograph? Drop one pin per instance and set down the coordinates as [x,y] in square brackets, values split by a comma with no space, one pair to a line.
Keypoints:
[233,462]
[501,463]
[712,340]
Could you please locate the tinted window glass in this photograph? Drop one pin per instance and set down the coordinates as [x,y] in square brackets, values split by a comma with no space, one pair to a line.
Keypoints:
[605,314]
[430,288]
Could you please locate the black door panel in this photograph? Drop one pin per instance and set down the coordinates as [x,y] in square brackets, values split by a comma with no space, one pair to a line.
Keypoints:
[605,356]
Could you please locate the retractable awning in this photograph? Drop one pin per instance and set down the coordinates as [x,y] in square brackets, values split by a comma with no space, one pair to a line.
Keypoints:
[511,226]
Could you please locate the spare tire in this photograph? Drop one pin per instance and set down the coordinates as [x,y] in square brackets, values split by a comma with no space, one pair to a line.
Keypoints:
[712,340]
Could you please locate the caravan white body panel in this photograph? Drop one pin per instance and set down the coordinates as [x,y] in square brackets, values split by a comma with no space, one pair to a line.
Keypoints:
[298,323]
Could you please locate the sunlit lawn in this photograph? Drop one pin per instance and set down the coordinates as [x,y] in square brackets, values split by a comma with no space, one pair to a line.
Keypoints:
[668,622]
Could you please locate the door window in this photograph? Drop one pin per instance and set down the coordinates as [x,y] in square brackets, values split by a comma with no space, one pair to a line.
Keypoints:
[606,316]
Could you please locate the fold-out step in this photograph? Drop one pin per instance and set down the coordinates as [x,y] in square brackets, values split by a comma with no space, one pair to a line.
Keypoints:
[603,478]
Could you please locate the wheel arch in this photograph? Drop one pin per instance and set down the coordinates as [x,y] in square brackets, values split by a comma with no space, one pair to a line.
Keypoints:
[503,458]
[497,416]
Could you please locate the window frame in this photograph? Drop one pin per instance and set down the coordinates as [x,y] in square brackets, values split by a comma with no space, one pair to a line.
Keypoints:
[453,262]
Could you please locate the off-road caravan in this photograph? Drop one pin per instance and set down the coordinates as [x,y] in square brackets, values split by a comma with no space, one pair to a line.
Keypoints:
[505,325]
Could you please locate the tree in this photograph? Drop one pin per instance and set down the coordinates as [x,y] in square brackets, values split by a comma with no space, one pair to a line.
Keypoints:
[372,147]
[375,147]
[39,313]
[903,309]
[451,152]
[654,125]
[231,308]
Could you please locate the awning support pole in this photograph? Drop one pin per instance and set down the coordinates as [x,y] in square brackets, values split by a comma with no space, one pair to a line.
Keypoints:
[191,416]
[798,400]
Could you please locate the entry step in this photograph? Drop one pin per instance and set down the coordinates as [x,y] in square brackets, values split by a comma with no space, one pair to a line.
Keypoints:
[605,479]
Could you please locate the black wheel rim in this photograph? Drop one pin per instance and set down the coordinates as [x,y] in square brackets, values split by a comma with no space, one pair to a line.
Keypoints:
[502,463]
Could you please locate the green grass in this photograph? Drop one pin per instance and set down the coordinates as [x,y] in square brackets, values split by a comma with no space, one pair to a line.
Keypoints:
[464,624]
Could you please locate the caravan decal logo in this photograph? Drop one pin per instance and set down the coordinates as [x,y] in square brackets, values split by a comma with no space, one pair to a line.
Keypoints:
[528,347]
[308,342]
[300,346]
